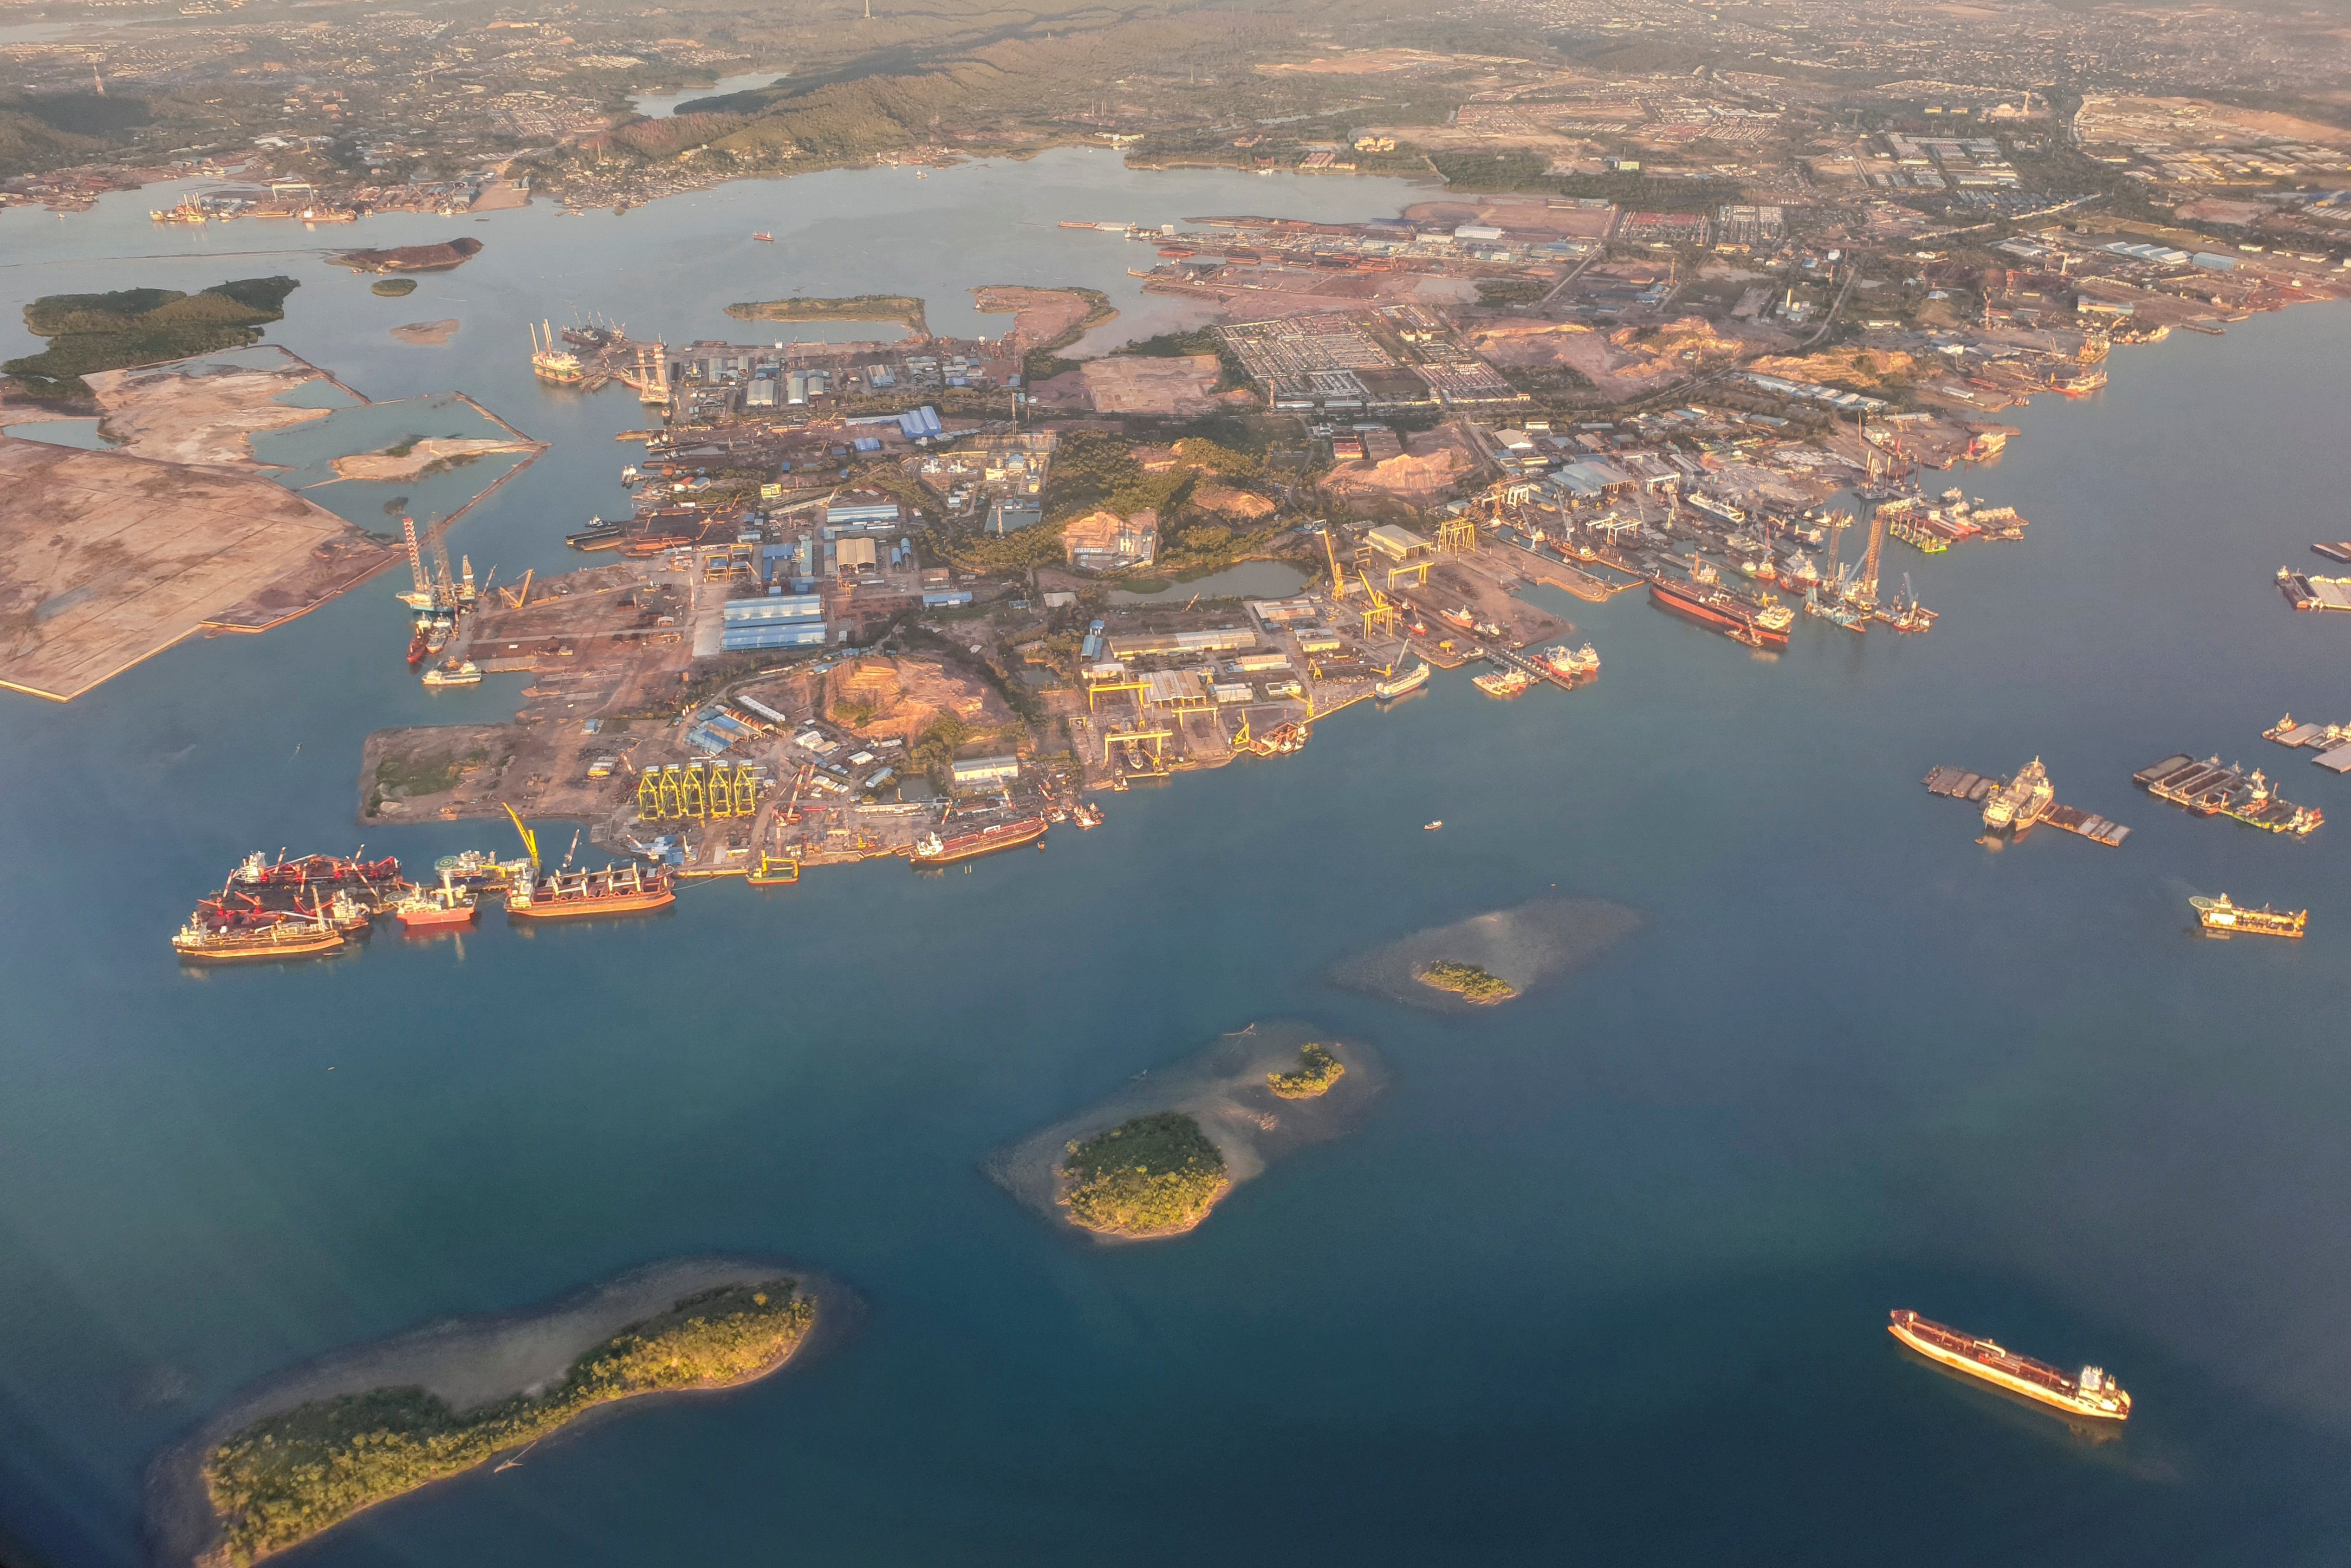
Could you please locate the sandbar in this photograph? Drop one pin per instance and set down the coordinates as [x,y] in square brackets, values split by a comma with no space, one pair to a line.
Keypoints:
[1224,1089]
[427,334]
[1524,946]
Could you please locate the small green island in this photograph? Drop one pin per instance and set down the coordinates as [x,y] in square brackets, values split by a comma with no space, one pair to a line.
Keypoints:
[1152,1175]
[1470,982]
[1317,1070]
[131,326]
[393,287]
[289,1476]
[900,308]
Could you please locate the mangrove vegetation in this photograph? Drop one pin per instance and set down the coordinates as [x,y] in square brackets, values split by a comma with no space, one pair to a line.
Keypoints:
[289,1476]
[1150,1177]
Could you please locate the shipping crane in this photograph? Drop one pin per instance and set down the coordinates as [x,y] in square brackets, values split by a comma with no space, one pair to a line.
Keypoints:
[529,838]
[1380,616]
[1338,577]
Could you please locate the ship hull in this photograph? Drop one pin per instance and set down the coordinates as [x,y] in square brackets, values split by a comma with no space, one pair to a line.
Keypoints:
[307,947]
[2000,1379]
[1674,603]
[589,908]
[438,919]
[978,844]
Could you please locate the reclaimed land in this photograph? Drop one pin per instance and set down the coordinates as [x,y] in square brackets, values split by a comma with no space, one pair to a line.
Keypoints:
[107,559]
[1202,1127]
[1520,948]
[900,307]
[302,1452]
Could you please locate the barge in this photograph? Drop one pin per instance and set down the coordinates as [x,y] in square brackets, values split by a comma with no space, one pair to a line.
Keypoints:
[2207,788]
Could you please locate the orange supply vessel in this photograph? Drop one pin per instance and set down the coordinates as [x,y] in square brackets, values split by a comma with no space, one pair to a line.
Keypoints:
[2093,1394]
[436,908]
[613,891]
[932,849]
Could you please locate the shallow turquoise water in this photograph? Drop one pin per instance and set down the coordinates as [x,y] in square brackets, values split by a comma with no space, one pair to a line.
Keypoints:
[1606,1275]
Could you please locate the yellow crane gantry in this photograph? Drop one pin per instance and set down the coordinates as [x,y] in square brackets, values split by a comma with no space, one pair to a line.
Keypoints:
[1379,615]
[529,838]
[1338,573]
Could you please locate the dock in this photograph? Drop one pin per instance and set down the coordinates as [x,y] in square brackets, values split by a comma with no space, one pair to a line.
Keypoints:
[2208,789]
[1959,784]
[1538,669]
[2331,741]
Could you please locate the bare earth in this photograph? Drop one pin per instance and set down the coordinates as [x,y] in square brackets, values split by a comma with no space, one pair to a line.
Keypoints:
[1038,315]
[1222,1088]
[180,413]
[106,560]
[1138,383]
[423,456]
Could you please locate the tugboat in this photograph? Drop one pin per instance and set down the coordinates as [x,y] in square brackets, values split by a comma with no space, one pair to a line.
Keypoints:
[1502,683]
[2093,1394]
[2223,918]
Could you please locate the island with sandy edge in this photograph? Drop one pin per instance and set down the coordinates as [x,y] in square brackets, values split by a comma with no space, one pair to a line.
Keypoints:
[299,1453]
[1199,1128]
[1475,964]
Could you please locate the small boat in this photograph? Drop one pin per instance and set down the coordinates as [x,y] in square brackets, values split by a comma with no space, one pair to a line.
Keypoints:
[1432,826]
[763,237]
[453,673]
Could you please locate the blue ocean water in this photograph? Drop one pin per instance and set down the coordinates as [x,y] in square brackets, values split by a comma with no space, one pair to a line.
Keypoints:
[1606,1274]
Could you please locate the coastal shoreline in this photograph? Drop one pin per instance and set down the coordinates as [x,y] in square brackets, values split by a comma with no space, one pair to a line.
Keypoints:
[471,1360]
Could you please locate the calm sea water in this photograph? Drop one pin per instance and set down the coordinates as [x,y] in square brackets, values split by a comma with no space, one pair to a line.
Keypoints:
[1606,1276]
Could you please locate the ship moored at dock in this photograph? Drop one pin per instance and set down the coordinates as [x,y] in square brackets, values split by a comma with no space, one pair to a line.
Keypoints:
[2092,1394]
[291,936]
[578,895]
[931,849]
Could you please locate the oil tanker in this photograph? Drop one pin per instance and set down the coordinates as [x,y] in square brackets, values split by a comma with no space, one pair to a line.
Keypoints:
[933,849]
[2093,1394]
[1712,607]
[589,893]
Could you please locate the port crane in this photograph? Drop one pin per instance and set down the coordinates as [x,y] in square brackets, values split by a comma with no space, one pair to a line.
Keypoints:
[1379,614]
[529,838]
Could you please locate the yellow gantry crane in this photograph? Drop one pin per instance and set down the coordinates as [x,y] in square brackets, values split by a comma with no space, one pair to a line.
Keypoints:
[1379,616]
[1338,574]
[529,838]
[1458,534]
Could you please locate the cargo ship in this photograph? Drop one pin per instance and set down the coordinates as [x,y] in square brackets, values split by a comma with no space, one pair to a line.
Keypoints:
[453,673]
[290,937]
[2024,800]
[1412,680]
[933,849]
[583,894]
[2093,1394]
[2219,916]
[1712,607]
[257,870]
